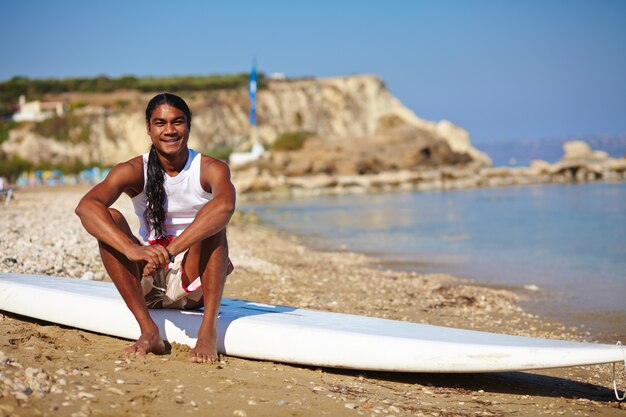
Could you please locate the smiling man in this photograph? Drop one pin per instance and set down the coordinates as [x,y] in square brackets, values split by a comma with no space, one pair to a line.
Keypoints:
[184,200]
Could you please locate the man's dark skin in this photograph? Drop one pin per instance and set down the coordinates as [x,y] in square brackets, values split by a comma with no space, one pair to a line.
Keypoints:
[127,260]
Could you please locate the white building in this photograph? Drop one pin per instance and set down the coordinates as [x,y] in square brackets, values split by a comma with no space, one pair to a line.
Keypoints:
[36,111]
[242,158]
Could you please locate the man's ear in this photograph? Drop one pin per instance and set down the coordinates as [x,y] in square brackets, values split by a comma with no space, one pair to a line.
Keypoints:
[148,127]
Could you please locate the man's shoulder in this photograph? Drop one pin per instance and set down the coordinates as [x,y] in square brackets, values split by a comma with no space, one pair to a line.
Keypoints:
[208,162]
[214,174]
[132,164]
[128,173]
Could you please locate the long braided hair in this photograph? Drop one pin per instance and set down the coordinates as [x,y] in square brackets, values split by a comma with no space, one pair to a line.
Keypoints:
[154,214]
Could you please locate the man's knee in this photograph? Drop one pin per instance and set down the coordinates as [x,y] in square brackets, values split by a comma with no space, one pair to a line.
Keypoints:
[117,217]
[218,239]
[120,221]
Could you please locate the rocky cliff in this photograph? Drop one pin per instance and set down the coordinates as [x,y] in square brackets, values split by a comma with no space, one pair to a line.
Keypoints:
[351,112]
[579,164]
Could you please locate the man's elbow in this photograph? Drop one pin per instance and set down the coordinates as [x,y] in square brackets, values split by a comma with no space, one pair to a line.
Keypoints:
[228,208]
[81,209]
[225,206]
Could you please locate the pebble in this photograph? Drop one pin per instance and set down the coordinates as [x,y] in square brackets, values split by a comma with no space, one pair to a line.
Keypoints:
[239,413]
[531,287]
[115,390]
[351,406]
[83,394]
[21,396]
[88,276]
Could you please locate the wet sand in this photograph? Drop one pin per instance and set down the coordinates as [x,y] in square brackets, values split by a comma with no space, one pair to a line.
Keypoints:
[46,369]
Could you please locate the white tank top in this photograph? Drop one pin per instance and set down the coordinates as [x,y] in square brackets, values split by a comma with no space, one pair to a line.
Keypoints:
[185,196]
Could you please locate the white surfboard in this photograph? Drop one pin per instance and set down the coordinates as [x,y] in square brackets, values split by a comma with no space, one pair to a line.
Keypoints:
[287,334]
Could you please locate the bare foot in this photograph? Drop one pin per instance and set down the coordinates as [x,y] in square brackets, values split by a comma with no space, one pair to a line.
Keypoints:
[147,343]
[205,351]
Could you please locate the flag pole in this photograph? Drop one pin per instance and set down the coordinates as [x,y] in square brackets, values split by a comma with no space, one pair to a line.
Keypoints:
[252,89]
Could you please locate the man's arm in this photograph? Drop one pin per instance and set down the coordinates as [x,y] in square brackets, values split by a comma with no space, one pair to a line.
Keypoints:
[93,211]
[216,214]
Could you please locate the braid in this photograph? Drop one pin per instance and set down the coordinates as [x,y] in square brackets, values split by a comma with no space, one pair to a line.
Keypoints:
[154,213]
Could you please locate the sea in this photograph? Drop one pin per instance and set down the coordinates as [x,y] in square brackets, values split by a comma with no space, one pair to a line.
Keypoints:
[561,247]
[521,152]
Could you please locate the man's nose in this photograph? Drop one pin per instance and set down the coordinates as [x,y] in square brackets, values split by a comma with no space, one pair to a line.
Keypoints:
[170,129]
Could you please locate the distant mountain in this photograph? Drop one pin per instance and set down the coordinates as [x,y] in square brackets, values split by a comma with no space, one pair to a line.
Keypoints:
[522,152]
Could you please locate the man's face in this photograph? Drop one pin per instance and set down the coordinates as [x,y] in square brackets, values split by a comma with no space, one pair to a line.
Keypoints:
[168,129]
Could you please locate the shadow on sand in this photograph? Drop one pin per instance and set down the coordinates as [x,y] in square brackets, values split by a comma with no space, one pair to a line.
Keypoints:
[516,383]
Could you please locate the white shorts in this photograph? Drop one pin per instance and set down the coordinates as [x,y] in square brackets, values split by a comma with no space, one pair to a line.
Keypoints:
[165,289]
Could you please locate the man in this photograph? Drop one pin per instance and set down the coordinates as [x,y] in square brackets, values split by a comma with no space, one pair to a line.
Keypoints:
[184,200]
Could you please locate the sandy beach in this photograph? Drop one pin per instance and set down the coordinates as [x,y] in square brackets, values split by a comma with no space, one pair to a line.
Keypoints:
[46,369]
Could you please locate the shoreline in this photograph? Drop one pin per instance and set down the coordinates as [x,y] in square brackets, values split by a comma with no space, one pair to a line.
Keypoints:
[543,296]
[293,193]
[78,373]
[605,326]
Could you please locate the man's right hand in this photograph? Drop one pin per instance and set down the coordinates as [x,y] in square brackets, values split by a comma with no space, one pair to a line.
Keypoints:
[154,257]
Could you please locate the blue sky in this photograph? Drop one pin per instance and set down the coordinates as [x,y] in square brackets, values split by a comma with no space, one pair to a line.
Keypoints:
[504,70]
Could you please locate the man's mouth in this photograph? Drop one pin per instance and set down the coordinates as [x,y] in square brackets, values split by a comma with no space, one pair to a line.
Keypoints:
[171,140]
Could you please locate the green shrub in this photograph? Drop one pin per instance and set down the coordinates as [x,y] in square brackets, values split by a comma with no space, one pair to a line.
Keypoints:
[121,104]
[67,168]
[34,89]
[291,141]
[221,152]
[68,128]
[5,127]
[78,105]
[12,168]
[298,119]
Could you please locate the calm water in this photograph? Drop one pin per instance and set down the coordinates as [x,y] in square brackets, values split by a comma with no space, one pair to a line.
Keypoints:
[570,240]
